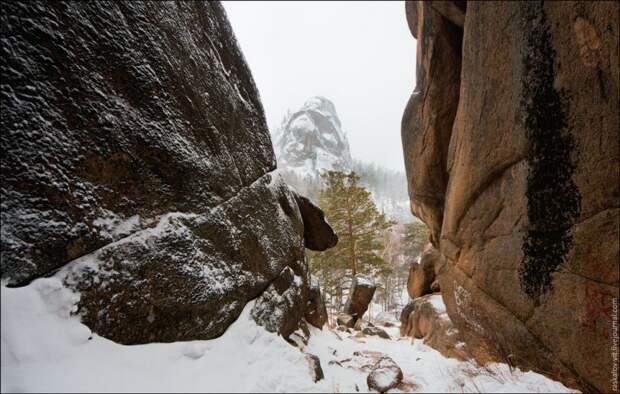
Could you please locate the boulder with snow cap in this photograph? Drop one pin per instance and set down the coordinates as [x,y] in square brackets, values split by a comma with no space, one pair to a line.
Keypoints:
[385,375]
[360,295]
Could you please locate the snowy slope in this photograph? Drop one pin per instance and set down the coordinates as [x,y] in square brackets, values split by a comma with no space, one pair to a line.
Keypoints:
[45,349]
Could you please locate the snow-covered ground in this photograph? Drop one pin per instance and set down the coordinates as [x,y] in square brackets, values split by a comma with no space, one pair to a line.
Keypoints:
[45,349]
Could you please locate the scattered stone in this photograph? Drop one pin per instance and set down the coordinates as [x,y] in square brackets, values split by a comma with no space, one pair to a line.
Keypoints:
[376,331]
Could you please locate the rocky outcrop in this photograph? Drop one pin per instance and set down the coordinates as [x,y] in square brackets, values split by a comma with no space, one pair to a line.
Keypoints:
[422,273]
[311,140]
[512,156]
[137,161]
[385,375]
[318,235]
[360,295]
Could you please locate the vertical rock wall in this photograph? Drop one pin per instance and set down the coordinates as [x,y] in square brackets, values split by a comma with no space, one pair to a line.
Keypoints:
[511,145]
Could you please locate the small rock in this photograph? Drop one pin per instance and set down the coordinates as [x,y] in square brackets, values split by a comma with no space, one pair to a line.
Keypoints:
[376,331]
[345,320]
[385,375]
[315,367]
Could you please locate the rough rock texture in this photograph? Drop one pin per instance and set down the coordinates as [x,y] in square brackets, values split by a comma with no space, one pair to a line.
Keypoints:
[360,295]
[280,307]
[385,375]
[423,318]
[422,273]
[136,159]
[114,111]
[512,155]
[318,235]
[316,311]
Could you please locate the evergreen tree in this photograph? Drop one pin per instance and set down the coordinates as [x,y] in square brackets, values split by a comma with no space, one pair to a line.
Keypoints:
[359,225]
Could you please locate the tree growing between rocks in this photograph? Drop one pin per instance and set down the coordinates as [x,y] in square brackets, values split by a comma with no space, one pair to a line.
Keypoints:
[360,227]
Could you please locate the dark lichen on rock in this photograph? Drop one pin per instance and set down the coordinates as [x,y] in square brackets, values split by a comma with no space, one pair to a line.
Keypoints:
[553,200]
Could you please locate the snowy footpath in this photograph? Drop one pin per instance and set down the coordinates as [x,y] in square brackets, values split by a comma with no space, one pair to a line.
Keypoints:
[45,349]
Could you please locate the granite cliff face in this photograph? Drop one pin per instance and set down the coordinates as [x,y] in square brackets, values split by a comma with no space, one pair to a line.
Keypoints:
[137,166]
[512,157]
[311,140]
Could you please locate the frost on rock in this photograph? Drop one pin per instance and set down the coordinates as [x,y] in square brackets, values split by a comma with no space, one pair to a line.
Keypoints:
[281,306]
[144,182]
[190,275]
[119,126]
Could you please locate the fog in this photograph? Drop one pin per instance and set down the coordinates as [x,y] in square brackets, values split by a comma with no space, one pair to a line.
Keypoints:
[360,55]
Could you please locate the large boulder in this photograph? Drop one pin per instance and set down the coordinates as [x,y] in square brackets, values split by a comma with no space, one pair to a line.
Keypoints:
[137,161]
[316,311]
[422,273]
[318,235]
[514,179]
[360,294]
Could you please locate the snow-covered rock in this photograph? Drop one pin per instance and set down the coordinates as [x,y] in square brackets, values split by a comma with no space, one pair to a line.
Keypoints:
[137,163]
[385,375]
[361,293]
[311,140]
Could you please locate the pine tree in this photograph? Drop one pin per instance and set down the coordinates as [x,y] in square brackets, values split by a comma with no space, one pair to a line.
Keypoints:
[359,225]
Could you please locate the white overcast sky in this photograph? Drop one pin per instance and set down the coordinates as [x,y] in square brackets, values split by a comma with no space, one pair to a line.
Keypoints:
[360,55]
